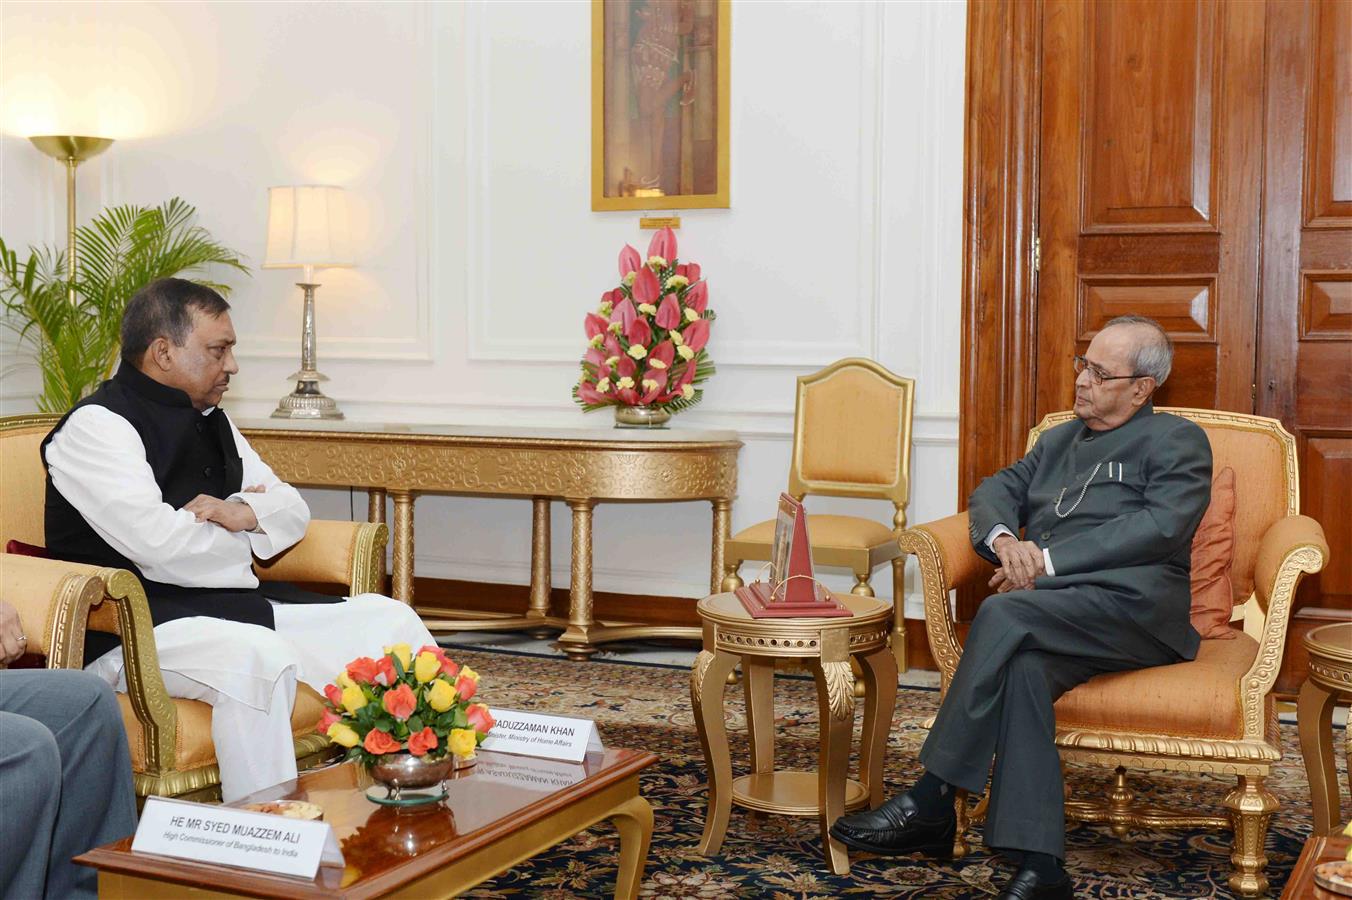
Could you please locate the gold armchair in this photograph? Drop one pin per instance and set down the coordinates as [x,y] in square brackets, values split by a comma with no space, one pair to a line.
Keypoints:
[1213,714]
[170,739]
[851,438]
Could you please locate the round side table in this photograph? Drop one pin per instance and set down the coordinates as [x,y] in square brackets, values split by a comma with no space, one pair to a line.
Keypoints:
[1329,684]
[825,646]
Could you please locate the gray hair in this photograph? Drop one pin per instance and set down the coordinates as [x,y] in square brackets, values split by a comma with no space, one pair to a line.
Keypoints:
[1154,355]
[164,308]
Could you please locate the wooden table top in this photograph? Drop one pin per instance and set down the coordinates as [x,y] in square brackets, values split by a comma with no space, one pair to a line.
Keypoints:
[1301,886]
[385,848]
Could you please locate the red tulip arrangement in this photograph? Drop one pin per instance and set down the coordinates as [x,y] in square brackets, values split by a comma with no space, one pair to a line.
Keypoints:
[646,341]
[418,703]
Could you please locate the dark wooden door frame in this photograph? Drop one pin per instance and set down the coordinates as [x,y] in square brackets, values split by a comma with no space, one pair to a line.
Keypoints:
[999,264]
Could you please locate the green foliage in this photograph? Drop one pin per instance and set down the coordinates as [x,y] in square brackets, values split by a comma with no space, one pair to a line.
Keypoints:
[123,249]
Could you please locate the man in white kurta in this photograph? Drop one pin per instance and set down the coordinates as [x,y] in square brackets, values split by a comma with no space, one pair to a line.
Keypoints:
[98,462]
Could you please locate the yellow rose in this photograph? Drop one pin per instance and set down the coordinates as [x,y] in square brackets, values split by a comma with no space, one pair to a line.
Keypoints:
[353,698]
[676,282]
[648,385]
[690,314]
[467,672]
[637,352]
[603,385]
[647,309]
[687,391]
[426,667]
[402,652]
[343,735]
[657,364]
[624,383]
[441,695]
[344,680]
[462,742]
[686,353]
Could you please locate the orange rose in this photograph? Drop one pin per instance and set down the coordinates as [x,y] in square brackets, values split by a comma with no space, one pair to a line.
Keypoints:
[362,670]
[334,694]
[385,671]
[325,721]
[378,742]
[421,742]
[400,702]
[466,687]
[480,719]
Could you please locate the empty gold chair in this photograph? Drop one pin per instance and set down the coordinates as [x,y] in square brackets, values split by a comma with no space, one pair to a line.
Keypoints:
[851,438]
[172,753]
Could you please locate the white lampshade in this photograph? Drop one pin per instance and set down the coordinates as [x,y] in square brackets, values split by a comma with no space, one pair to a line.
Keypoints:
[307,226]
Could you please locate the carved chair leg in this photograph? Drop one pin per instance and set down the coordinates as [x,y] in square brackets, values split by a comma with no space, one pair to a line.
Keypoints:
[1250,805]
[731,580]
[1120,799]
[962,845]
[862,588]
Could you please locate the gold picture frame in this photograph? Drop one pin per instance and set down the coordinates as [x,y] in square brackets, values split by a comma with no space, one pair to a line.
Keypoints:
[654,106]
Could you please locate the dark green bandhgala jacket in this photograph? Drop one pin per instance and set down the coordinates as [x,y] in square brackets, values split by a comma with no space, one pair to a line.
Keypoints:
[1145,484]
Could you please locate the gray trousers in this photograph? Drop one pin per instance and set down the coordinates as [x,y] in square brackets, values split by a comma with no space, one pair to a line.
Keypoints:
[1026,649]
[65,781]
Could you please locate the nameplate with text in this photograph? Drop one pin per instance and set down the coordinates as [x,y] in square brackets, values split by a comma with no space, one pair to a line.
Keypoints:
[534,734]
[235,837]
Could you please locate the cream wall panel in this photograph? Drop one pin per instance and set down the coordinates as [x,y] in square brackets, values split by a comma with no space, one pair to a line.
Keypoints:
[462,133]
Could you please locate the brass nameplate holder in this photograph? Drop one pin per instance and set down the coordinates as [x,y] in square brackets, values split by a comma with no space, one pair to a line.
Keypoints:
[655,223]
[792,592]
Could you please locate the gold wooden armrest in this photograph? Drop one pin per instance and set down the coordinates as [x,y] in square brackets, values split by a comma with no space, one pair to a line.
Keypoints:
[333,552]
[943,550]
[63,599]
[1290,549]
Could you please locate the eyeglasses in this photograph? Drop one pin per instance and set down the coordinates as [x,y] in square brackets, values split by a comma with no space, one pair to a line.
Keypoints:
[1097,375]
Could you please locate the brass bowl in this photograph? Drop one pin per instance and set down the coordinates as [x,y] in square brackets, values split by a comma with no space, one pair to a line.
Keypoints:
[398,771]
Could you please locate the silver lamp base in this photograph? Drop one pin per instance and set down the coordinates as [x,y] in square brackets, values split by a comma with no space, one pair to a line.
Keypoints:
[307,401]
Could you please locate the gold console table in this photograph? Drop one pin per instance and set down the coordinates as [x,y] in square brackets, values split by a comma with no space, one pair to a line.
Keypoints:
[580,466]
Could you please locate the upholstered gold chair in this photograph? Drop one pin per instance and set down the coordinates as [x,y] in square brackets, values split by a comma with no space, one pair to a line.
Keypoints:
[1213,714]
[171,748]
[851,438]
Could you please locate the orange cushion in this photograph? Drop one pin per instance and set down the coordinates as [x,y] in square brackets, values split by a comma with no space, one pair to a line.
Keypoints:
[194,747]
[1197,699]
[1213,553]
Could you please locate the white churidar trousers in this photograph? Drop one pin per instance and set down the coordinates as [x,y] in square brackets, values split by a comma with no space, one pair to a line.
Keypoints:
[248,674]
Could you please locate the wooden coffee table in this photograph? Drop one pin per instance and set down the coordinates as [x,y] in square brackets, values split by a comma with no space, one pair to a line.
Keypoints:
[500,812]
[1318,849]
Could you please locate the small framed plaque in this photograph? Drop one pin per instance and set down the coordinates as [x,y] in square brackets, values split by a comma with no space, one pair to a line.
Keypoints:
[792,591]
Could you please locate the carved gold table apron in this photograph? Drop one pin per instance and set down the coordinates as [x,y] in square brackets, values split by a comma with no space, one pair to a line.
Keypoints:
[582,467]
[825,646]
[1329,684]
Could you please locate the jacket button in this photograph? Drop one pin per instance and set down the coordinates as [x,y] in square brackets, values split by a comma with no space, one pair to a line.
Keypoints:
[207,471]
[201,427]
[1046,535]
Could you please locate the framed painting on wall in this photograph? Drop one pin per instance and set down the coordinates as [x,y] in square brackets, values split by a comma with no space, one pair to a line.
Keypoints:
[660,103]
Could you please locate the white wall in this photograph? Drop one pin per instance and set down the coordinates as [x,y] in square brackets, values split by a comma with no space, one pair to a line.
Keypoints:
[462,133]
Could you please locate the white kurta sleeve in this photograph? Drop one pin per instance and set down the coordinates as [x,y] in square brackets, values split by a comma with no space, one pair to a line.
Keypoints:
[98,463]
[282,512]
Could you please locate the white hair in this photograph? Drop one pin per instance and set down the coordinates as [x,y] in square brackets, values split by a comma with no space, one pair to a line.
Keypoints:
[1154,354]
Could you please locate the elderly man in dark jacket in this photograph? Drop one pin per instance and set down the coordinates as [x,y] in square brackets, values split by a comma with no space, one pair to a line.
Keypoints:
[1108,505]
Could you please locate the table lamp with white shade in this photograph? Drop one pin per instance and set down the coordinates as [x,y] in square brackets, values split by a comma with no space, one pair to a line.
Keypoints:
[307,228]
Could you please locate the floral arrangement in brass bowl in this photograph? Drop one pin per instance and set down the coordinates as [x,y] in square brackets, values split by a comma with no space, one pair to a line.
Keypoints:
[646,341]
[406,717]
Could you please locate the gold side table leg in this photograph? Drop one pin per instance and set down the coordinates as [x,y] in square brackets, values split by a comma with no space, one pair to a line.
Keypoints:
[758,685]
[402,586]
[835,700]
[576,640]
[1314,718]
[634,821]
[722,530]
[375,505]
[707,681]
[880,699]
[540,573]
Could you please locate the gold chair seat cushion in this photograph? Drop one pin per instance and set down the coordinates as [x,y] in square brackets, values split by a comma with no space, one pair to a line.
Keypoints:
[1196,699]
[826,532]
[194,748]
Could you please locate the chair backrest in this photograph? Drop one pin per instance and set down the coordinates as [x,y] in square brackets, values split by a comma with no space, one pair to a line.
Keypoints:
[1267,478]
[852,434]
[23,482]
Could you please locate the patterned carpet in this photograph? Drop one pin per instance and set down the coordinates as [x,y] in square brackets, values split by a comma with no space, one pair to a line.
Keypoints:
[779,857]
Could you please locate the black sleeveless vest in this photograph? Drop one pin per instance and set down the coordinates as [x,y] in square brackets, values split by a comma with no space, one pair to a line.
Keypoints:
[189,454]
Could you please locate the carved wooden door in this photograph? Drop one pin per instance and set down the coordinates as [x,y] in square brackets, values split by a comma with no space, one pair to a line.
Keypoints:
[1150,188]
[1305,344]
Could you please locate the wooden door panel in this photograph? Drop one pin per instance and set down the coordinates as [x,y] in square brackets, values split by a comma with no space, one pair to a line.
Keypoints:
[1328,134]
[1151,77]
[1327,461]
[1326,306]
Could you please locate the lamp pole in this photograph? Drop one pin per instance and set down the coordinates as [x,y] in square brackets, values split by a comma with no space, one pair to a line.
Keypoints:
[71,150]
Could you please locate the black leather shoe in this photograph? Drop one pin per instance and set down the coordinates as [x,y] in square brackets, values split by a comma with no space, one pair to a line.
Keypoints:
[1028,885]
[895,829]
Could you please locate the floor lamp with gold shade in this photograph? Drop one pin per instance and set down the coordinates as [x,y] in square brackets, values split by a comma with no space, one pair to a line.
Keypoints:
[71,150]
[307,229]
